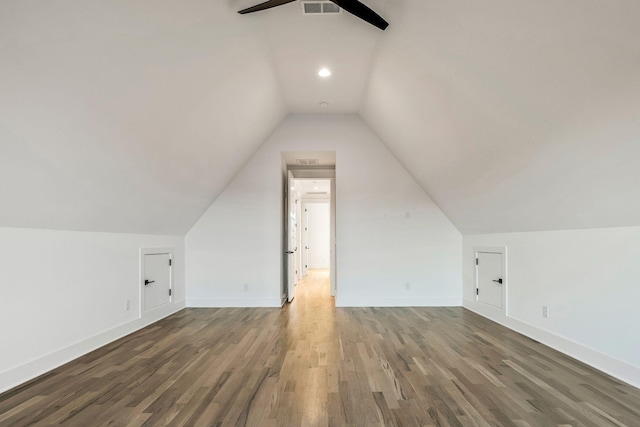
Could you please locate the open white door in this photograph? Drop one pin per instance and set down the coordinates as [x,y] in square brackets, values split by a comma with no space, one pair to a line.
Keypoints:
[332,238]
[291,231]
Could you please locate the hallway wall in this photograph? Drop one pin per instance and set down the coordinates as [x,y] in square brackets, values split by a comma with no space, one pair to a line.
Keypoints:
[319,234]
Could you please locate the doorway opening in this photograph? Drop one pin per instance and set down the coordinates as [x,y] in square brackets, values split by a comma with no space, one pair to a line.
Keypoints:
[309,243]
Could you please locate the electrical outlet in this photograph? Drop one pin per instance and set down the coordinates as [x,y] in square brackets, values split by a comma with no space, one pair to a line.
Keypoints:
[407,286]
[127,305]
[545,311]
[246,287]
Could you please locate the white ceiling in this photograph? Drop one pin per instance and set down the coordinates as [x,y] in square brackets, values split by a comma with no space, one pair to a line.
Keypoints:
[515,116]
[127,116]
[133,116]
[303,44]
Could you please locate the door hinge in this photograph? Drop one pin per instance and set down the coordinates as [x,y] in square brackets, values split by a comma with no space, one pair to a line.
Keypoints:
[476,261]
[169,292]
[477,291]
[169,262]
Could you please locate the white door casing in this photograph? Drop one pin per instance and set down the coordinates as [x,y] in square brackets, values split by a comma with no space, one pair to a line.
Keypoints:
[491,277]
[156,283]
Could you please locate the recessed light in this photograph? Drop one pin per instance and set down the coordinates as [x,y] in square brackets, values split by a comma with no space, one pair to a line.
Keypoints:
[315,188]
[324,72]
[324,104]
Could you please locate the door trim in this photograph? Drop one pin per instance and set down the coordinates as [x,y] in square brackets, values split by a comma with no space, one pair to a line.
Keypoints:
[502,250]
[153,251]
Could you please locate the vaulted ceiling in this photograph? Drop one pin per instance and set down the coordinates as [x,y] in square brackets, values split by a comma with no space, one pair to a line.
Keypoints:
[133,116]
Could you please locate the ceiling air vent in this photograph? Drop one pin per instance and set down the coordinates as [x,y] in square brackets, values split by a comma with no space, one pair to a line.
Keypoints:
[319,8]
[317,192]
[307,162]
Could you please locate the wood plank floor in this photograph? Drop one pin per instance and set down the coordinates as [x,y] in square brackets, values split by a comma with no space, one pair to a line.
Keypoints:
[311,364]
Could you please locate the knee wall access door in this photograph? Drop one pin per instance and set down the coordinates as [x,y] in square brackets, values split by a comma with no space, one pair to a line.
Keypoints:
[156,280]
[490,278]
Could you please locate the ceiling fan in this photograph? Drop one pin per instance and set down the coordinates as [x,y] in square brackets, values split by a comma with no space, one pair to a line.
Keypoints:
[352,6]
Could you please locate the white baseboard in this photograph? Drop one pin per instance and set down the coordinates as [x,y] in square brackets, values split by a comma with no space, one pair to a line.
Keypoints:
[397,302]
[30,370]
[610,365]
[233,302]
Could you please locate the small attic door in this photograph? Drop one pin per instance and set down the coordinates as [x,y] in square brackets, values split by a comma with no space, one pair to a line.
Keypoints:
[491,277]
[156,278]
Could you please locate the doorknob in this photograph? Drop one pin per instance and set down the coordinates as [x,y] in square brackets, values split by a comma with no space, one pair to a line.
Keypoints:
[289,252]
[498,281]
[148,282]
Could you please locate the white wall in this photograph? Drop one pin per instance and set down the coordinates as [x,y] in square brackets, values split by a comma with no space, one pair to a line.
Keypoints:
[389,232]
[589,279]
[64,294]
[319,234]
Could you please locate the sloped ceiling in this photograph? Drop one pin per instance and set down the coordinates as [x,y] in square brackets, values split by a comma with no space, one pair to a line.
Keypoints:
[127,116]
[133,116]
[512,115]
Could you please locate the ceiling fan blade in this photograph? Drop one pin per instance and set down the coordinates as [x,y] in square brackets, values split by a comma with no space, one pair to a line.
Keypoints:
[363,12]
[266,5]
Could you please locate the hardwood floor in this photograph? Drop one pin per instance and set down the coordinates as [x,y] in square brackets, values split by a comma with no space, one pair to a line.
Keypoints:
[310,364]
